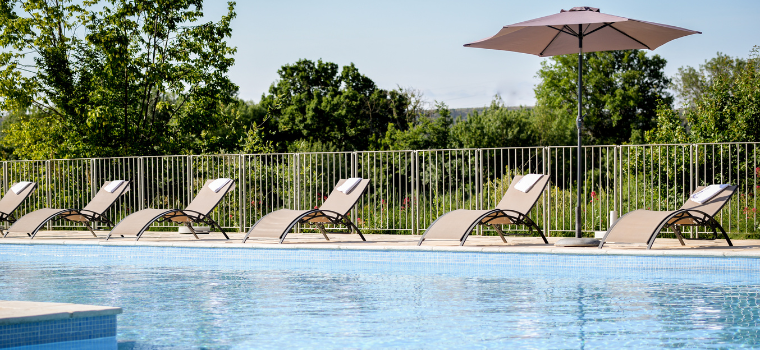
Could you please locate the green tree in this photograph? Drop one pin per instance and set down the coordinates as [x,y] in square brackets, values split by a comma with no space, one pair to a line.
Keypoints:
[429,130]
[496,126]
[621,90]
[690,83]
[319,106]
[727,108]
[123,77]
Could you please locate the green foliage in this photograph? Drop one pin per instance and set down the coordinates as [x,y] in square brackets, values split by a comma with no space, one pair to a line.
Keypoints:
[621,90]
[115,78]
[726,109]
[496,126]
[428,131]
[690,83]
[319,105]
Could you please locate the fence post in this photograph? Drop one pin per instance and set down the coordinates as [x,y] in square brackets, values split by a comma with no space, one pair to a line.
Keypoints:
[354,164]
[188,187]
[546,161]
[242,192]
[141,183]
[415,193]
[5,176]
[93,181]
[48,193]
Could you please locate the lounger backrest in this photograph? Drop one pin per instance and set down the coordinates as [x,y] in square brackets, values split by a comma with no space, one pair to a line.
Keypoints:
[104,199]
[342,203]
[715,204]
[11,200]
[520,201]
[206,199]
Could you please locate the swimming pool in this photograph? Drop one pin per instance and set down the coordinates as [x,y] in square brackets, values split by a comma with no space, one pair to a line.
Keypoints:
[298,298]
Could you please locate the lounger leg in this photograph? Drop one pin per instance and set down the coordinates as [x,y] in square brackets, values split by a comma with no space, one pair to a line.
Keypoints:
[677,230]
[725,235]
[220,228]
[190,226]
[501,233]
[322,229]
[90,228]
[351,226]
[531,225]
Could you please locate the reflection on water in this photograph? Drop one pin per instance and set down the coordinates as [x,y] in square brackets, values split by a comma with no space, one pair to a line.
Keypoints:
[306,303]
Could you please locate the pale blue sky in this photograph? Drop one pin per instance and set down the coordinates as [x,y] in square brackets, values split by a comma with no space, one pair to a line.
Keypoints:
[418,43]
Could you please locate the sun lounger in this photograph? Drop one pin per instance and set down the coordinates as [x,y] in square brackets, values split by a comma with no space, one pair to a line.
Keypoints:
[93,212]
[334,210]
[513,209]
[198,211]
[643,226]
[12,200]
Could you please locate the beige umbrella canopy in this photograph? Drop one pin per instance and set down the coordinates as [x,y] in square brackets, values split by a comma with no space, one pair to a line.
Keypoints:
[575,31]
[558,34]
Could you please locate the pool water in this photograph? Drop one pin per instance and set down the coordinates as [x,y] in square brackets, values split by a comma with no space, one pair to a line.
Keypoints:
[190,298]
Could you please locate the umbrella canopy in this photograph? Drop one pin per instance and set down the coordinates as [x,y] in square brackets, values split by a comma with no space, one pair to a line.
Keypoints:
[575,31]
[558,34]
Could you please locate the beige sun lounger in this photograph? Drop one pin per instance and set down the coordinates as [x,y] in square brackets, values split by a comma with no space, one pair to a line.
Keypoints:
[513,209]
[334,210]
[93,212]
[643,226]
[11,201]
[196,212]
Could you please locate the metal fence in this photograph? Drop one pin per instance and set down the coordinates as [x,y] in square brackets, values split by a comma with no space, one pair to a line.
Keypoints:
[410,189]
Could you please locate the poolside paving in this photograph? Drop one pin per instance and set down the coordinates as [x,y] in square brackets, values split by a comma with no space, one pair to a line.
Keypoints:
[662,246]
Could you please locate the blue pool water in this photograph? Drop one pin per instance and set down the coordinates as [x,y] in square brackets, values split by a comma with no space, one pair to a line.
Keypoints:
[189,298]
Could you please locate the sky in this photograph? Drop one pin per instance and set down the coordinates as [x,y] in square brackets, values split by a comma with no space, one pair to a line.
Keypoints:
[418,43]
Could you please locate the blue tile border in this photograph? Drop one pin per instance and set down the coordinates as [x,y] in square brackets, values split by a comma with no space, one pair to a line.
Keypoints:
[34,333]
[105,255]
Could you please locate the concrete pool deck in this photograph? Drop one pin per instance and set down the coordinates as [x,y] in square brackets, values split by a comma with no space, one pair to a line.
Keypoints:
[490,244]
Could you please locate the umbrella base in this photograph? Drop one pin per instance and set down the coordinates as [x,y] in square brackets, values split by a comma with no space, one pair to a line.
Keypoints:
[577,242]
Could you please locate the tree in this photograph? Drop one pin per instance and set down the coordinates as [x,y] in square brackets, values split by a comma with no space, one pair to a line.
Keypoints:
[128,77]
[621,90]
[690,83]
[496,126]
[726,108]
[427,131]
[319,106]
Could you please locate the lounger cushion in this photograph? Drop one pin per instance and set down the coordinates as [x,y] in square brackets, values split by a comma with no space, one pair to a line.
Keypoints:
[114,185]
[19,187]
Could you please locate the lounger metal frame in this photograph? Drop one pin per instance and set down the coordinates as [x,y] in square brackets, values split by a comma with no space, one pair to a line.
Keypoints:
[91,216]
[682,214]
[8,217]
[335,219]
[194,216]
[515,217]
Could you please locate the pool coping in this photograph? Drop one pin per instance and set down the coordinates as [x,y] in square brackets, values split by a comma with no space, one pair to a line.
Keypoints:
[720,252]
[18,312]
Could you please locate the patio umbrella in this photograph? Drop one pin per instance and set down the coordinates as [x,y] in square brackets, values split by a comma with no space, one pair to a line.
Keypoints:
[575,31]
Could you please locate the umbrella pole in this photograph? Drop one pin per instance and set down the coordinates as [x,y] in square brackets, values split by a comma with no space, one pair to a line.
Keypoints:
[579,122]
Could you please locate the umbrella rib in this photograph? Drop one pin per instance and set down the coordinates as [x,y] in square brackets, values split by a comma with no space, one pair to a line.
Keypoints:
[605,25]
[632,38]
[572,32]
[550,43]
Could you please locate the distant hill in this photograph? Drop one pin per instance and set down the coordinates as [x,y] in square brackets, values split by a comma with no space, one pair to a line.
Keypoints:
[463,112]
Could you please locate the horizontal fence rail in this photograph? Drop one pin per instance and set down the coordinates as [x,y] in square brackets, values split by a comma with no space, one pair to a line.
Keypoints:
[410,189]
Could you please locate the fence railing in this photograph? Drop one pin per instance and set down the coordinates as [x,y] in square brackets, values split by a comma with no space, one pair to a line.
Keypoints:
[410,189]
